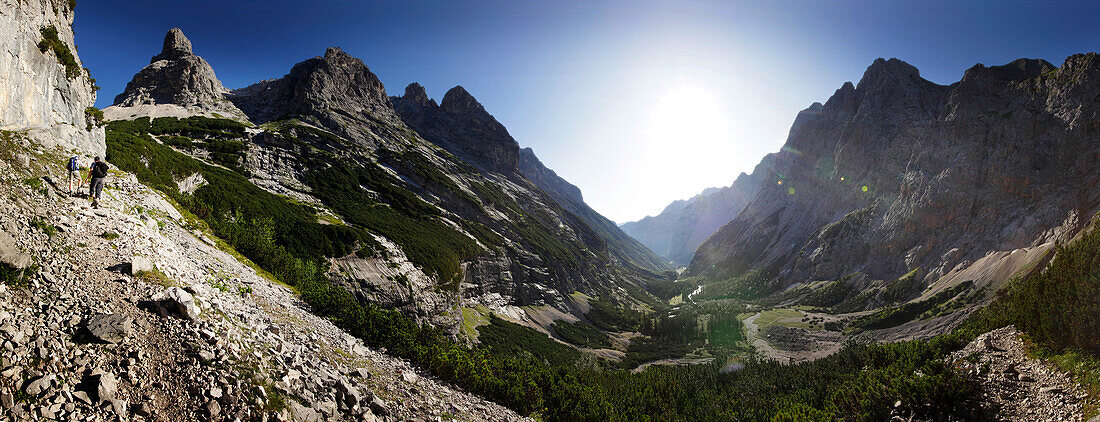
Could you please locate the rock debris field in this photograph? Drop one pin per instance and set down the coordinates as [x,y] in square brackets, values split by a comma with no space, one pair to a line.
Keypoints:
[1015,386]
[194,335]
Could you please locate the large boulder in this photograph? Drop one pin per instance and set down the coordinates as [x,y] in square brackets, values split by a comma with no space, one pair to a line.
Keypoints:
[111,328]
[178,301]
[141,264]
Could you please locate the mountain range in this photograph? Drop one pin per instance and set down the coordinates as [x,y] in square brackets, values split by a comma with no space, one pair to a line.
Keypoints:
[520,235]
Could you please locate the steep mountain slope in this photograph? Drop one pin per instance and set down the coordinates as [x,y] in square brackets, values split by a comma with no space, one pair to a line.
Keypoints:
[461,125]
[621,245]
[951,186]
[404,223]
[683,225]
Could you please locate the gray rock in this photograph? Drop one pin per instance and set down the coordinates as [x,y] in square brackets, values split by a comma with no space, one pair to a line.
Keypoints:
[145,409]
[6,400]
[177,300]
[42,102]
[111,328]
[174,77]
[82,396]
[893,174]
[141,264]
[213,409]
[378,406]
[18,261]
[39,385]
[106,387]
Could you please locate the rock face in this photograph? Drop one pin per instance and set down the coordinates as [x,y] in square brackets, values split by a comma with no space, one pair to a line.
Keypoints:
[898,173]
[336,91]
[175,83]
[461,126]
[38,94]
[683,225]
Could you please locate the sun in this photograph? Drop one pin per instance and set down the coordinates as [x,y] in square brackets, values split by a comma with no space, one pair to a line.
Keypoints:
[688,127]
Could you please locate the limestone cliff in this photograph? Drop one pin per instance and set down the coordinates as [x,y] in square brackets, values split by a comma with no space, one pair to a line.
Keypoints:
[45,92]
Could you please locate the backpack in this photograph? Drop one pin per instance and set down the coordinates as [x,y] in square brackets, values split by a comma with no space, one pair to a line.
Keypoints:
[99,170]
[74,164]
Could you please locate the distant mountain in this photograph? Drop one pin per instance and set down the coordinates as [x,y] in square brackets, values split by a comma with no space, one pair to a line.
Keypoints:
[900,178]
[683,225]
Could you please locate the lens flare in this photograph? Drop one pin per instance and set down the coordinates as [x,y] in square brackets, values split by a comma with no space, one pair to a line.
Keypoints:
[790,191]
[864,188]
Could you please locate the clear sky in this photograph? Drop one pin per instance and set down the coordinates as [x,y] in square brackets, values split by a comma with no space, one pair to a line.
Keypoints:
[636,102]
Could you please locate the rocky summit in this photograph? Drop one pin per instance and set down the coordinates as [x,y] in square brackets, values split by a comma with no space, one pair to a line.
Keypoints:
[175,83]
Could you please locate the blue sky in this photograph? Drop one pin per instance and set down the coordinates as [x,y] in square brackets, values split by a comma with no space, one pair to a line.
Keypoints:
[636,102]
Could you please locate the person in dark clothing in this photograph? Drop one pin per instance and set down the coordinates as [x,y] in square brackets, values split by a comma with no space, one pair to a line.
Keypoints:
[97,174]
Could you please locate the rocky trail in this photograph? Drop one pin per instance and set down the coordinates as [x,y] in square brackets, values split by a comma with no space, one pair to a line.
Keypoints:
[194,335]
[1016,387]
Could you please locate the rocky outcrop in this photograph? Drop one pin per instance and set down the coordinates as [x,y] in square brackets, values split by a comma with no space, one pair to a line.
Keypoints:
[683,225]
[898,173]
[176,83]
[45,92]
[336,92]
[619,244]
[461,126]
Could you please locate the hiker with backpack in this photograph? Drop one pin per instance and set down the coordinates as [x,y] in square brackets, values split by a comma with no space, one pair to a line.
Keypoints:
[75,180]
[97,174]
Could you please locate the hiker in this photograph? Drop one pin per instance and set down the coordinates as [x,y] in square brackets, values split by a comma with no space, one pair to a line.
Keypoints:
[75,180]
[97,174]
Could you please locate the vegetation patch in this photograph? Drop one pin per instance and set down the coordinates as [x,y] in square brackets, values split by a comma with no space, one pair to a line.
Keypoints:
[582,334]
[830,294]
[507,337]
[897,315]
[94,117]
[904,288]
[155,277]
[609,317]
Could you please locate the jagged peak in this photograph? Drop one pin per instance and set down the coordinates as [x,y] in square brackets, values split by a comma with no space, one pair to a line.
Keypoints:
[458,100]
[334,52]
[176,45]
[1016,70]
[892,71]
[416,93]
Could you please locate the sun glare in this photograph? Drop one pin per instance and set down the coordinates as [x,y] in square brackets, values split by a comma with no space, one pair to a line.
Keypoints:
[686,118]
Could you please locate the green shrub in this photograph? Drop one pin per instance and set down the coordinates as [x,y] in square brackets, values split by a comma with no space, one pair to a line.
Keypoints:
[581,334]
[50,41]
[609,317]
[93,116]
